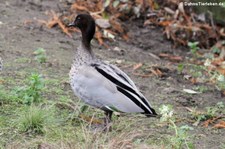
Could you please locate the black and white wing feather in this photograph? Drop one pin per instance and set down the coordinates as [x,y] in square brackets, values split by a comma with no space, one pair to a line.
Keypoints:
[124,85]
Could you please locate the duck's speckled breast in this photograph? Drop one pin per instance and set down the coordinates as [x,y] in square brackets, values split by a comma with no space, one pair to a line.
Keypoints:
[81,62]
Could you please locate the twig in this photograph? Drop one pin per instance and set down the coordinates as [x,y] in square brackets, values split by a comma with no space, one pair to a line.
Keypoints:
[91,119]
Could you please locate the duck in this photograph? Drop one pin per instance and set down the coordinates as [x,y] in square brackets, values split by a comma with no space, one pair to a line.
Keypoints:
[100,84]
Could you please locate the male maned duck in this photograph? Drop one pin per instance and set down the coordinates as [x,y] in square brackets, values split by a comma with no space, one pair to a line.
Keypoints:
[100,84]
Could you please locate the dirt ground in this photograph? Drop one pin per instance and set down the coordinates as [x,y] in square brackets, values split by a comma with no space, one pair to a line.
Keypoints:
[21,34]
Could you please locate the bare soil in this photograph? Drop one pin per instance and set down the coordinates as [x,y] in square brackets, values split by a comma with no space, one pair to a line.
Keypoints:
[21,35]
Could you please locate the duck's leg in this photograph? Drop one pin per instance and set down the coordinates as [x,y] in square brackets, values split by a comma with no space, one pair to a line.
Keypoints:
[108,119]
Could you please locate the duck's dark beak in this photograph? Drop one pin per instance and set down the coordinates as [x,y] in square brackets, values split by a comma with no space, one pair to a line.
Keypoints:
[71,25]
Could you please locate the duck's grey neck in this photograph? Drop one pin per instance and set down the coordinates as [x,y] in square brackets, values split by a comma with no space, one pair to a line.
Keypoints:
[83,55]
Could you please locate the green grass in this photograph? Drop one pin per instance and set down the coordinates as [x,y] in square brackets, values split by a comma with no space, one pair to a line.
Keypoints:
[40,55]
[180,138]
[30,93]
[50,121]
[194,48]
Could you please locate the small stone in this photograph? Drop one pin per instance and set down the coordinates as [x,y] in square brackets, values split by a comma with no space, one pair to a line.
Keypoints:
[117,49]
[119,61]
[103,23]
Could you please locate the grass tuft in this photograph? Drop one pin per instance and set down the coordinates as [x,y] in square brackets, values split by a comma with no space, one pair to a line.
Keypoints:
[33,120]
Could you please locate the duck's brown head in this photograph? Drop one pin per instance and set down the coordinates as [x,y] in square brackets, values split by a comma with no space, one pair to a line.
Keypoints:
[86,24]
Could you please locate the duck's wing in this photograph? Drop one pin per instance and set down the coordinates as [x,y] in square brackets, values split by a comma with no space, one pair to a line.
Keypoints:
[124,85]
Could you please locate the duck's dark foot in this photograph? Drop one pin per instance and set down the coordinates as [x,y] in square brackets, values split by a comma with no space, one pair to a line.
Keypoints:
[107,124]
[108,121]
[99,125]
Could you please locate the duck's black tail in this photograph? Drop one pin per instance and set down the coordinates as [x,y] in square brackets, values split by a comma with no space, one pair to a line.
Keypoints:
[153,114]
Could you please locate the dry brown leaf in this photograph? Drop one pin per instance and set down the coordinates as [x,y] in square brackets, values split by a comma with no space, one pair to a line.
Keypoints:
[221,124]
[193,80]
[142,75]
[171,57]
[100,5]
[223,92]
[137,66]
[75,6]
[156,72]
[52,23]
[56,21]
[64,29]
[165,23]
[116,26]
[217,62]
[151,4]
[159,73]
[176,58]
[210,121]
[152,20]
[125,37]
[179,40]
[141,2]
[221,70]
[99,36]
[189,27]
